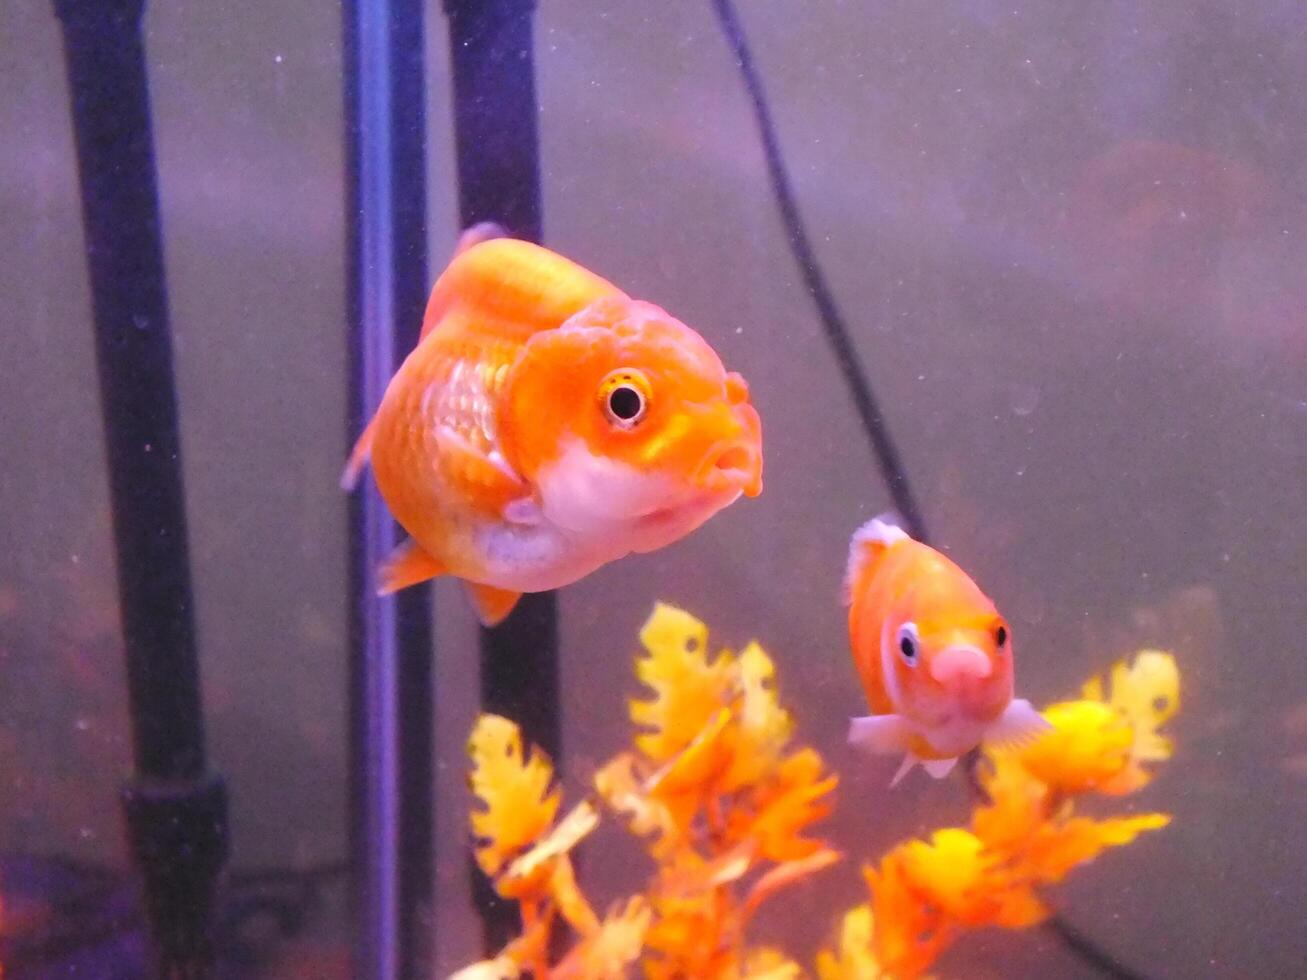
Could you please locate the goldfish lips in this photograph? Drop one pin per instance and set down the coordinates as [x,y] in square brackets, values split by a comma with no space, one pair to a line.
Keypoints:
[957,664]
[968,684]
[734,463]
[733,466]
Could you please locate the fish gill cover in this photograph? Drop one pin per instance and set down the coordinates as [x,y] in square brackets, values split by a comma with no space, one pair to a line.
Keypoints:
[725,806]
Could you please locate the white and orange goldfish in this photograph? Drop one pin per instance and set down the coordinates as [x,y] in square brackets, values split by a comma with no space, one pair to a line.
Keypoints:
[546,424]
[934,655]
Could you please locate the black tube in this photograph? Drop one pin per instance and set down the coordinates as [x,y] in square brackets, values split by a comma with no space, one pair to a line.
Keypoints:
[391,718]
[175,811]
[498,154]
[832,320]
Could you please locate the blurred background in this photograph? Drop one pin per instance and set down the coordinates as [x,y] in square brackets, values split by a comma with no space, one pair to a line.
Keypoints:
[1069,239]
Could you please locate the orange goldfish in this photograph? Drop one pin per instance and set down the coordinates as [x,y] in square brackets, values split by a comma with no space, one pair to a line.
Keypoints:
[546,424]
[934,655]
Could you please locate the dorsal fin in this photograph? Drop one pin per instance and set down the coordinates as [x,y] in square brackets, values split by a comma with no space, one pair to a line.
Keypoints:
[480,232]
[869,542]
[509,281]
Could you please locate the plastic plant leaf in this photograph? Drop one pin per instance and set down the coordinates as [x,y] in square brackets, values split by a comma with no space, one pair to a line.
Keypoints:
[766,963]
[1018,807]
[731,866]
[764,727]
[851,959]
[571,830]
[950,871]
[1147,693]
[698,763]
[622,789]
[687,687]
[500,968]
[784,875]
[514,789]
[1089,747]
[910,933]
[786,806]
[571,903]
[686,782]
[611,947]
[684,937]
[510,964]
[1061,847]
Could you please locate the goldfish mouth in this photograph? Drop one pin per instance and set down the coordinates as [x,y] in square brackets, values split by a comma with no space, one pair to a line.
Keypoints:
[735,466]
[959,665]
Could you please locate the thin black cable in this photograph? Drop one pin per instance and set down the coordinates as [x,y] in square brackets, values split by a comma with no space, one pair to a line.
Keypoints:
[873,420]
[1088,950]
[837,331]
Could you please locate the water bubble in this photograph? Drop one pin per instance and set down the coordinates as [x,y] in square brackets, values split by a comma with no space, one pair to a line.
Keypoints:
[1023,398]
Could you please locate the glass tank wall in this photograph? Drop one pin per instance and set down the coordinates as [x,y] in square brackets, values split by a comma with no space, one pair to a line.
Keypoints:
[1068,240]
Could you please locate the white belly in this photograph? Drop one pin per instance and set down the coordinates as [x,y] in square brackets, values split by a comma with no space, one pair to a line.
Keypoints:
[538,557]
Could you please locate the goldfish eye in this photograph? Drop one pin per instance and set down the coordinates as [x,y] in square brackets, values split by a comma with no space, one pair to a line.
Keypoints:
[909,643]
[1000,637]
[624,396]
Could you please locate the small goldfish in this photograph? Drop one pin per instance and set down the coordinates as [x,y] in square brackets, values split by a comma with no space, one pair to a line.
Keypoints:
[934,655]
[546,424]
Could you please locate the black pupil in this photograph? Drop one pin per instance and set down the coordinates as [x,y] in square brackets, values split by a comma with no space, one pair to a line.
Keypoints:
[1001,636]
[624,403]
[905,644]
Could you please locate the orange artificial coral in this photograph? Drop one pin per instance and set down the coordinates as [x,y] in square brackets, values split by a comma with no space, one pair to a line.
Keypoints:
[722,803]
[727,801]
[688,687]
[1100,742]
[514,787]
[852,958]
[606,950]
[725,807]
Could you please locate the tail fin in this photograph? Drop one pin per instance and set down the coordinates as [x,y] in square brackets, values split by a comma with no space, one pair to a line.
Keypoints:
[869,543]
[358,458]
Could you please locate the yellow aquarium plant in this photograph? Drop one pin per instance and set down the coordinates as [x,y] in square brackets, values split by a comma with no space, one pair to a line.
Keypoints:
[724,805]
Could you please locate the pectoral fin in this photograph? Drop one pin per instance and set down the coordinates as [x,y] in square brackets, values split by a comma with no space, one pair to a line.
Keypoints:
[407,565]
[358,457]
[483,476]
[884,734]
[491,604]
[1018,725]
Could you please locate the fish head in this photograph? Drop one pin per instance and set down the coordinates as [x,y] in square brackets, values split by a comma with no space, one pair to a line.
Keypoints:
[950,652]
[626,423]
